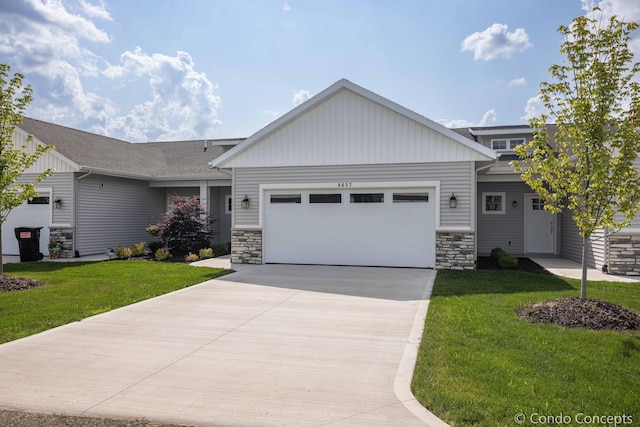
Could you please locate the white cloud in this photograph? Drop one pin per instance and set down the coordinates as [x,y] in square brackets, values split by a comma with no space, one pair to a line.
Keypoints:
[182,103]
[626,10]
[286,7]
[495,42]
[47,41]
[517,82]
[488,118]
[96,11]
[534,108]
[300,96]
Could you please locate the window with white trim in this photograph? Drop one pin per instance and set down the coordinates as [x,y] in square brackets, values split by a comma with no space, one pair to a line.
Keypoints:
[493,203]
[506,144]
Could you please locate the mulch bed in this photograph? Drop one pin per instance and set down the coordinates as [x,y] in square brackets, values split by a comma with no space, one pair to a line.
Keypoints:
[10,283]
[524,265]
[575,313]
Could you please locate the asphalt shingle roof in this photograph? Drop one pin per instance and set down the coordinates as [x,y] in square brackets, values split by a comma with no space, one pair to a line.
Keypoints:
[167,160]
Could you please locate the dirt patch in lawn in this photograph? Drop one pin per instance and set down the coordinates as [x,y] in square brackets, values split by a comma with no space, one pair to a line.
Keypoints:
[10,283]
[576,313]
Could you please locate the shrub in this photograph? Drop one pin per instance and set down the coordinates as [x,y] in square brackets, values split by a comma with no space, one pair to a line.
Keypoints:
[137,249]
[505,260]
[206,253]
[222,249]
[155,245]
[123,253]
[162,254]
[184,227]
[191,257]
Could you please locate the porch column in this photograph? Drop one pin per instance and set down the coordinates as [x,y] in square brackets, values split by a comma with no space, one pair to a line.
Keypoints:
[204,197]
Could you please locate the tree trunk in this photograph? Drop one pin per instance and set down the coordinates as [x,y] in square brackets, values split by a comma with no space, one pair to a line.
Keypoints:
[583,283]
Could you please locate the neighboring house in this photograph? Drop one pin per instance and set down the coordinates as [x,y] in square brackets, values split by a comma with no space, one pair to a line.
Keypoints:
[105,191]
[346,178]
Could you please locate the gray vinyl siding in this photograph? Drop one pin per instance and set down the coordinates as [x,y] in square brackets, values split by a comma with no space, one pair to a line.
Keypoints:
[455,178]
[572,244]
[115,211]
[502,231]
[222,225]
[62,185]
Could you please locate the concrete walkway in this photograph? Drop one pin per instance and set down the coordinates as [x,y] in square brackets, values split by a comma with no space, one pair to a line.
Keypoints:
[270,345]
[566,268]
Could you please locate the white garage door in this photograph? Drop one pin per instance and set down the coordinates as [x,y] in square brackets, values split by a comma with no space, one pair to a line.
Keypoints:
[36,213]
[368,227]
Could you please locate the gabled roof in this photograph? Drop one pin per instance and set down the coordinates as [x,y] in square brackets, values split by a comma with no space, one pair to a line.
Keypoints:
[225,159]
[157,160]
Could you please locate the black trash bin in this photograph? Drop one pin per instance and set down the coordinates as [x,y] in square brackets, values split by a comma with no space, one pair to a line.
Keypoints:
[29,243]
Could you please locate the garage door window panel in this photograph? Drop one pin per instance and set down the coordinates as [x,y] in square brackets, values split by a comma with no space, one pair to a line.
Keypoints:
[286,198]
[332,198]
[410,197]
[366,197]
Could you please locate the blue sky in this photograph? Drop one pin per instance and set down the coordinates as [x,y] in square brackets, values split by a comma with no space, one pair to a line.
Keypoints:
[148,70]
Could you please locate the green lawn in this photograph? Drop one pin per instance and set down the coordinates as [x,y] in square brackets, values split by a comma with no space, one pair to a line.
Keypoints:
[481,365]
[75,290]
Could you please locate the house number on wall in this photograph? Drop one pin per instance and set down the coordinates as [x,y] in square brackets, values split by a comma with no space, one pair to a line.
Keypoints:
[344,184]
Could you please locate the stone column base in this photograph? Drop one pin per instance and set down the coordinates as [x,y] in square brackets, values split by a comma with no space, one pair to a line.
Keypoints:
[64,235]
[246,246]
[455,250]
[624,255]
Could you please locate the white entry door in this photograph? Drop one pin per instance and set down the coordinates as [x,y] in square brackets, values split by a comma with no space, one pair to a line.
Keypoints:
[539,226]
[370,227]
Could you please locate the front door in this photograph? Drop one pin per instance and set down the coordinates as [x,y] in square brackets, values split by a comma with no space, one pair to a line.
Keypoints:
[539,226]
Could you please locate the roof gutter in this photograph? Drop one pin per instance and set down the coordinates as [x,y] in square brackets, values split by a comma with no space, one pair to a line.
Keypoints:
[489,166]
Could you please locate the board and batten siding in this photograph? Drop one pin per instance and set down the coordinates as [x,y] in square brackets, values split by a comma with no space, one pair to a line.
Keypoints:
[51,160]
[114,211]
[455,178]
[348,129]
[61,185]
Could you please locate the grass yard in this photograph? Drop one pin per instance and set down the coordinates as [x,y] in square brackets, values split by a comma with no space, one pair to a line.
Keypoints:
[481,365]
[75,290]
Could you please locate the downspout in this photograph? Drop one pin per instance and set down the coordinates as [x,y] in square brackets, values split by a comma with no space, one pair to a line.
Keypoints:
[474,208]
[75,213]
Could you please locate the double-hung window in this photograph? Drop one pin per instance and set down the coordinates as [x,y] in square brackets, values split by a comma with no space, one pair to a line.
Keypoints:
[493,203]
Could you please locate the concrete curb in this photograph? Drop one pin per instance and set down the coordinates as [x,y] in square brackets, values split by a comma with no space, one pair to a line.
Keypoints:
[402,382]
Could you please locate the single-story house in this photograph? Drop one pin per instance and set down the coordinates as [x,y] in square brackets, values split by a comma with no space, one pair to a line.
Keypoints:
[346,178]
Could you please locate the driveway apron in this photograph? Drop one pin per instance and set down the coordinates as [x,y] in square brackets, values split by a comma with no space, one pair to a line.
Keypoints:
[272,345]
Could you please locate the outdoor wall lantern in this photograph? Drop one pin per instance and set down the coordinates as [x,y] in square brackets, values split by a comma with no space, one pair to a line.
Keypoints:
[515,204]
[452,201]
[245,202]
[57,203]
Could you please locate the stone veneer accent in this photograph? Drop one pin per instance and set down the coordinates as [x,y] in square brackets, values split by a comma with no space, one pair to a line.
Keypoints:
[64,235]
[624,255]
[246,246]
[455,250]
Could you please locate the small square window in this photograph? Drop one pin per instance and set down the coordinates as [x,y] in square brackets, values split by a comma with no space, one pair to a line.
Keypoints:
[499,144]
[493,203]
[513,143]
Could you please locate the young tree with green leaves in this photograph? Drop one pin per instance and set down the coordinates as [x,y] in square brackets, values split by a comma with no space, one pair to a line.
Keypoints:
[588,170]
[14,160]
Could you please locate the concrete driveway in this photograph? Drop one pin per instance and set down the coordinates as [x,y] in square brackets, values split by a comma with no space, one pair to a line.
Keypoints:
[270,345]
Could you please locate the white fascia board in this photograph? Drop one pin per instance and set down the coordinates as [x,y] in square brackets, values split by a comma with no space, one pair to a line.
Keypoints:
[334,88]
[501,131]
[194,182]
[119,174]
